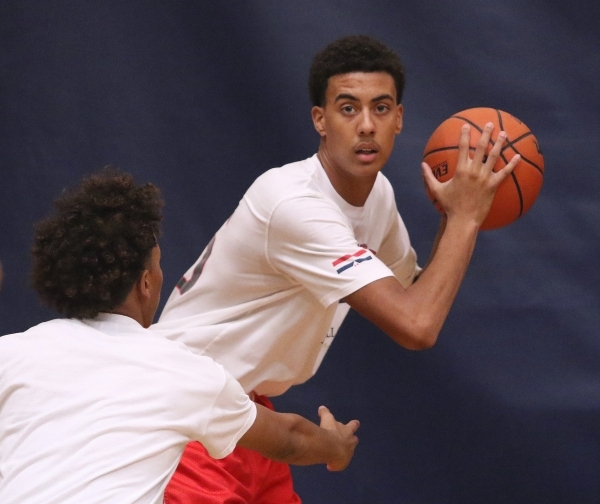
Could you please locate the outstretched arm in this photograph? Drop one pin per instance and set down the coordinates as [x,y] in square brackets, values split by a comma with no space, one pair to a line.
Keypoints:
[413,317]
[290,438]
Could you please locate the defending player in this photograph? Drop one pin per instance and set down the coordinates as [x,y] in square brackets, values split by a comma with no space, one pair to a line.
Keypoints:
[312,239]
[96,408]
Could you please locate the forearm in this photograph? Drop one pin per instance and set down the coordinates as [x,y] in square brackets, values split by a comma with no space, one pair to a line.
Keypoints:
[306,444]
[432,296]
[292,439]
[436,241]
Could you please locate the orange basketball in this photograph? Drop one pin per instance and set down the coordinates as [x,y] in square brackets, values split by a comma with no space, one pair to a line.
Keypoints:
[517,193]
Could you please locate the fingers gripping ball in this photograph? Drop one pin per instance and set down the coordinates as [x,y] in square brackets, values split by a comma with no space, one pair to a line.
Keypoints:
[517,193]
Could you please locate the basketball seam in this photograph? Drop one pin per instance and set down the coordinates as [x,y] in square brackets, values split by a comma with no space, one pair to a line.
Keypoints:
[455,147]
[523,158]
[500,123]
[451,147]
[516,181]
[509,143]
[512,143]
[468,121]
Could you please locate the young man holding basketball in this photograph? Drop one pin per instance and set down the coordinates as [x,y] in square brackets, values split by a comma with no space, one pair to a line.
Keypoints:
[313,239]
[95,407]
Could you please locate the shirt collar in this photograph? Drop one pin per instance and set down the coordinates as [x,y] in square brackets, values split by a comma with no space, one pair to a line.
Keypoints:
[113,322]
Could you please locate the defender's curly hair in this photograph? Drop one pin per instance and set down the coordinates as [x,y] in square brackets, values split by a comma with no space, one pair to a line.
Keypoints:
[355,53]
[89,254]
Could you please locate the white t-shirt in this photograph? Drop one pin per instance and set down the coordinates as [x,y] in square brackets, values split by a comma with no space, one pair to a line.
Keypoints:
[263,298]
[99,411]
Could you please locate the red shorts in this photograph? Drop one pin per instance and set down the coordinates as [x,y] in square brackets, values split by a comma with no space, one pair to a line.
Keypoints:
[243,477]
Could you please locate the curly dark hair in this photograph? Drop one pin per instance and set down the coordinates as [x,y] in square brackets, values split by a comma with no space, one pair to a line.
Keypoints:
[355,53]
[89,254]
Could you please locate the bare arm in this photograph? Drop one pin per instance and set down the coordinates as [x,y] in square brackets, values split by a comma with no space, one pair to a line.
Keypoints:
[436,243]
[413,317]
[290,438]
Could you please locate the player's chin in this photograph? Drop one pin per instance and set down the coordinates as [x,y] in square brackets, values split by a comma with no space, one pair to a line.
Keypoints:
[369,167]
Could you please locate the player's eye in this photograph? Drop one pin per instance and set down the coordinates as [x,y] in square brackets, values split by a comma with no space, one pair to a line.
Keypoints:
[348,109]
[382,108]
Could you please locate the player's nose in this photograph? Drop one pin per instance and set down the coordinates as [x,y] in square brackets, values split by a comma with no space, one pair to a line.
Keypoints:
[366,125]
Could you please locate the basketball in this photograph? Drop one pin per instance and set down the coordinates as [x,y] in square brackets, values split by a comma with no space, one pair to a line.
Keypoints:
[517,193]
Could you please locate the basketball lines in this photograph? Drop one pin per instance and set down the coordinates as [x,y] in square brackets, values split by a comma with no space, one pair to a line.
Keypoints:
[510,144]
[514,178]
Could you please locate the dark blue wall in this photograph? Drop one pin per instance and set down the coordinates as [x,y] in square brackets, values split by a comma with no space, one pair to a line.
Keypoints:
[200,98]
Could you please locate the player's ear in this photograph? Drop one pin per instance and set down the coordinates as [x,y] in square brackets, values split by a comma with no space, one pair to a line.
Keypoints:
[318,117]
[143,284]
[399,117]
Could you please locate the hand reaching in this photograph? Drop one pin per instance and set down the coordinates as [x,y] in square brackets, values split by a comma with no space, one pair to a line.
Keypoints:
[346,436]
[470,192]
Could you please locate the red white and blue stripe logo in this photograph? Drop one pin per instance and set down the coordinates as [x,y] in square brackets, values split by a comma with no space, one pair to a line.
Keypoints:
[350,260]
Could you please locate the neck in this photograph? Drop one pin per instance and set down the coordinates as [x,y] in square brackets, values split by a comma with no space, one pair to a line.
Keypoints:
[133,308]
[354,190]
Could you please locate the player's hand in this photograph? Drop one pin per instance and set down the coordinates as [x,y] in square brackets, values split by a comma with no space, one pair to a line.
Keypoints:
[345,436]
[470,191]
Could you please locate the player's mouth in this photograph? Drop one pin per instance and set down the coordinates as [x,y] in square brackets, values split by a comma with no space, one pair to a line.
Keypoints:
[366,152]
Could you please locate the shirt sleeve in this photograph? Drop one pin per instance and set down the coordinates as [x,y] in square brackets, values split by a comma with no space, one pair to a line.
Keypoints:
[310,240]
[232,414]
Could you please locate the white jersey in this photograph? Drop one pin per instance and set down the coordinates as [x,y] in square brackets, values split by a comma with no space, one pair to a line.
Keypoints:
[99,411]
[263,299]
